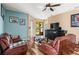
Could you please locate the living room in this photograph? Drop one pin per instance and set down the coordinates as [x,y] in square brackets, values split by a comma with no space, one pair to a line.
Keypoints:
[26,28]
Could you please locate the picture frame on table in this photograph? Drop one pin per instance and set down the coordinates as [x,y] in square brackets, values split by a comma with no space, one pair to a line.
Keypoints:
[75,20]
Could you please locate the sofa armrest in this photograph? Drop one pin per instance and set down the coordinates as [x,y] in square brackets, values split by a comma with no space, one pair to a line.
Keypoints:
[16,51]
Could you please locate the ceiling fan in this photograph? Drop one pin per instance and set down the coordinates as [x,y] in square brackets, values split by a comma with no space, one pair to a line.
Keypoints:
[50,6]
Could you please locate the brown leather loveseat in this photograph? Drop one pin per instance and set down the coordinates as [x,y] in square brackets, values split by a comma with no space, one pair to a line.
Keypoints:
[6,50]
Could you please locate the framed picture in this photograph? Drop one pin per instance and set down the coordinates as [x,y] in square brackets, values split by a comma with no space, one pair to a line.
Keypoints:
[22,21]
[75,20]
[13,19]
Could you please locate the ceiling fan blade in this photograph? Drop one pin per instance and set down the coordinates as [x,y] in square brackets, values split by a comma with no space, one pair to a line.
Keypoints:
[51,9]
[55,5]
[44,9]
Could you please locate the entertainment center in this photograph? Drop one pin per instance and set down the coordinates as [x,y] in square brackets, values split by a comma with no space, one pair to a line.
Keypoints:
[54,31]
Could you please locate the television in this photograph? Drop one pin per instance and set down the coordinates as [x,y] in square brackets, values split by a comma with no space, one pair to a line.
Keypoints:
[54,25]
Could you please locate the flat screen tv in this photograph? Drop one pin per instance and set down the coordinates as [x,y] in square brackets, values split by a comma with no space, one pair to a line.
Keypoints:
[54,25]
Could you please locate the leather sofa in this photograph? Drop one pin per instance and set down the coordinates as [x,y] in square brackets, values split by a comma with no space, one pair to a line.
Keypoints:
[59,45]
[6,50]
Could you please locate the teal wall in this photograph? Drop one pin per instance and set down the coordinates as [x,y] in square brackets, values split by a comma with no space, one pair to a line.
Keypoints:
[1,22]
[15,28]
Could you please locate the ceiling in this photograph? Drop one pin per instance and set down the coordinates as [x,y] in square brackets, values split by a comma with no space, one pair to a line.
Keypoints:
[35,9]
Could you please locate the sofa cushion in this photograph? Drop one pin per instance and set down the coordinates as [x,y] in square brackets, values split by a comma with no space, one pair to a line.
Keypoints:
[47,49]
[66,47]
